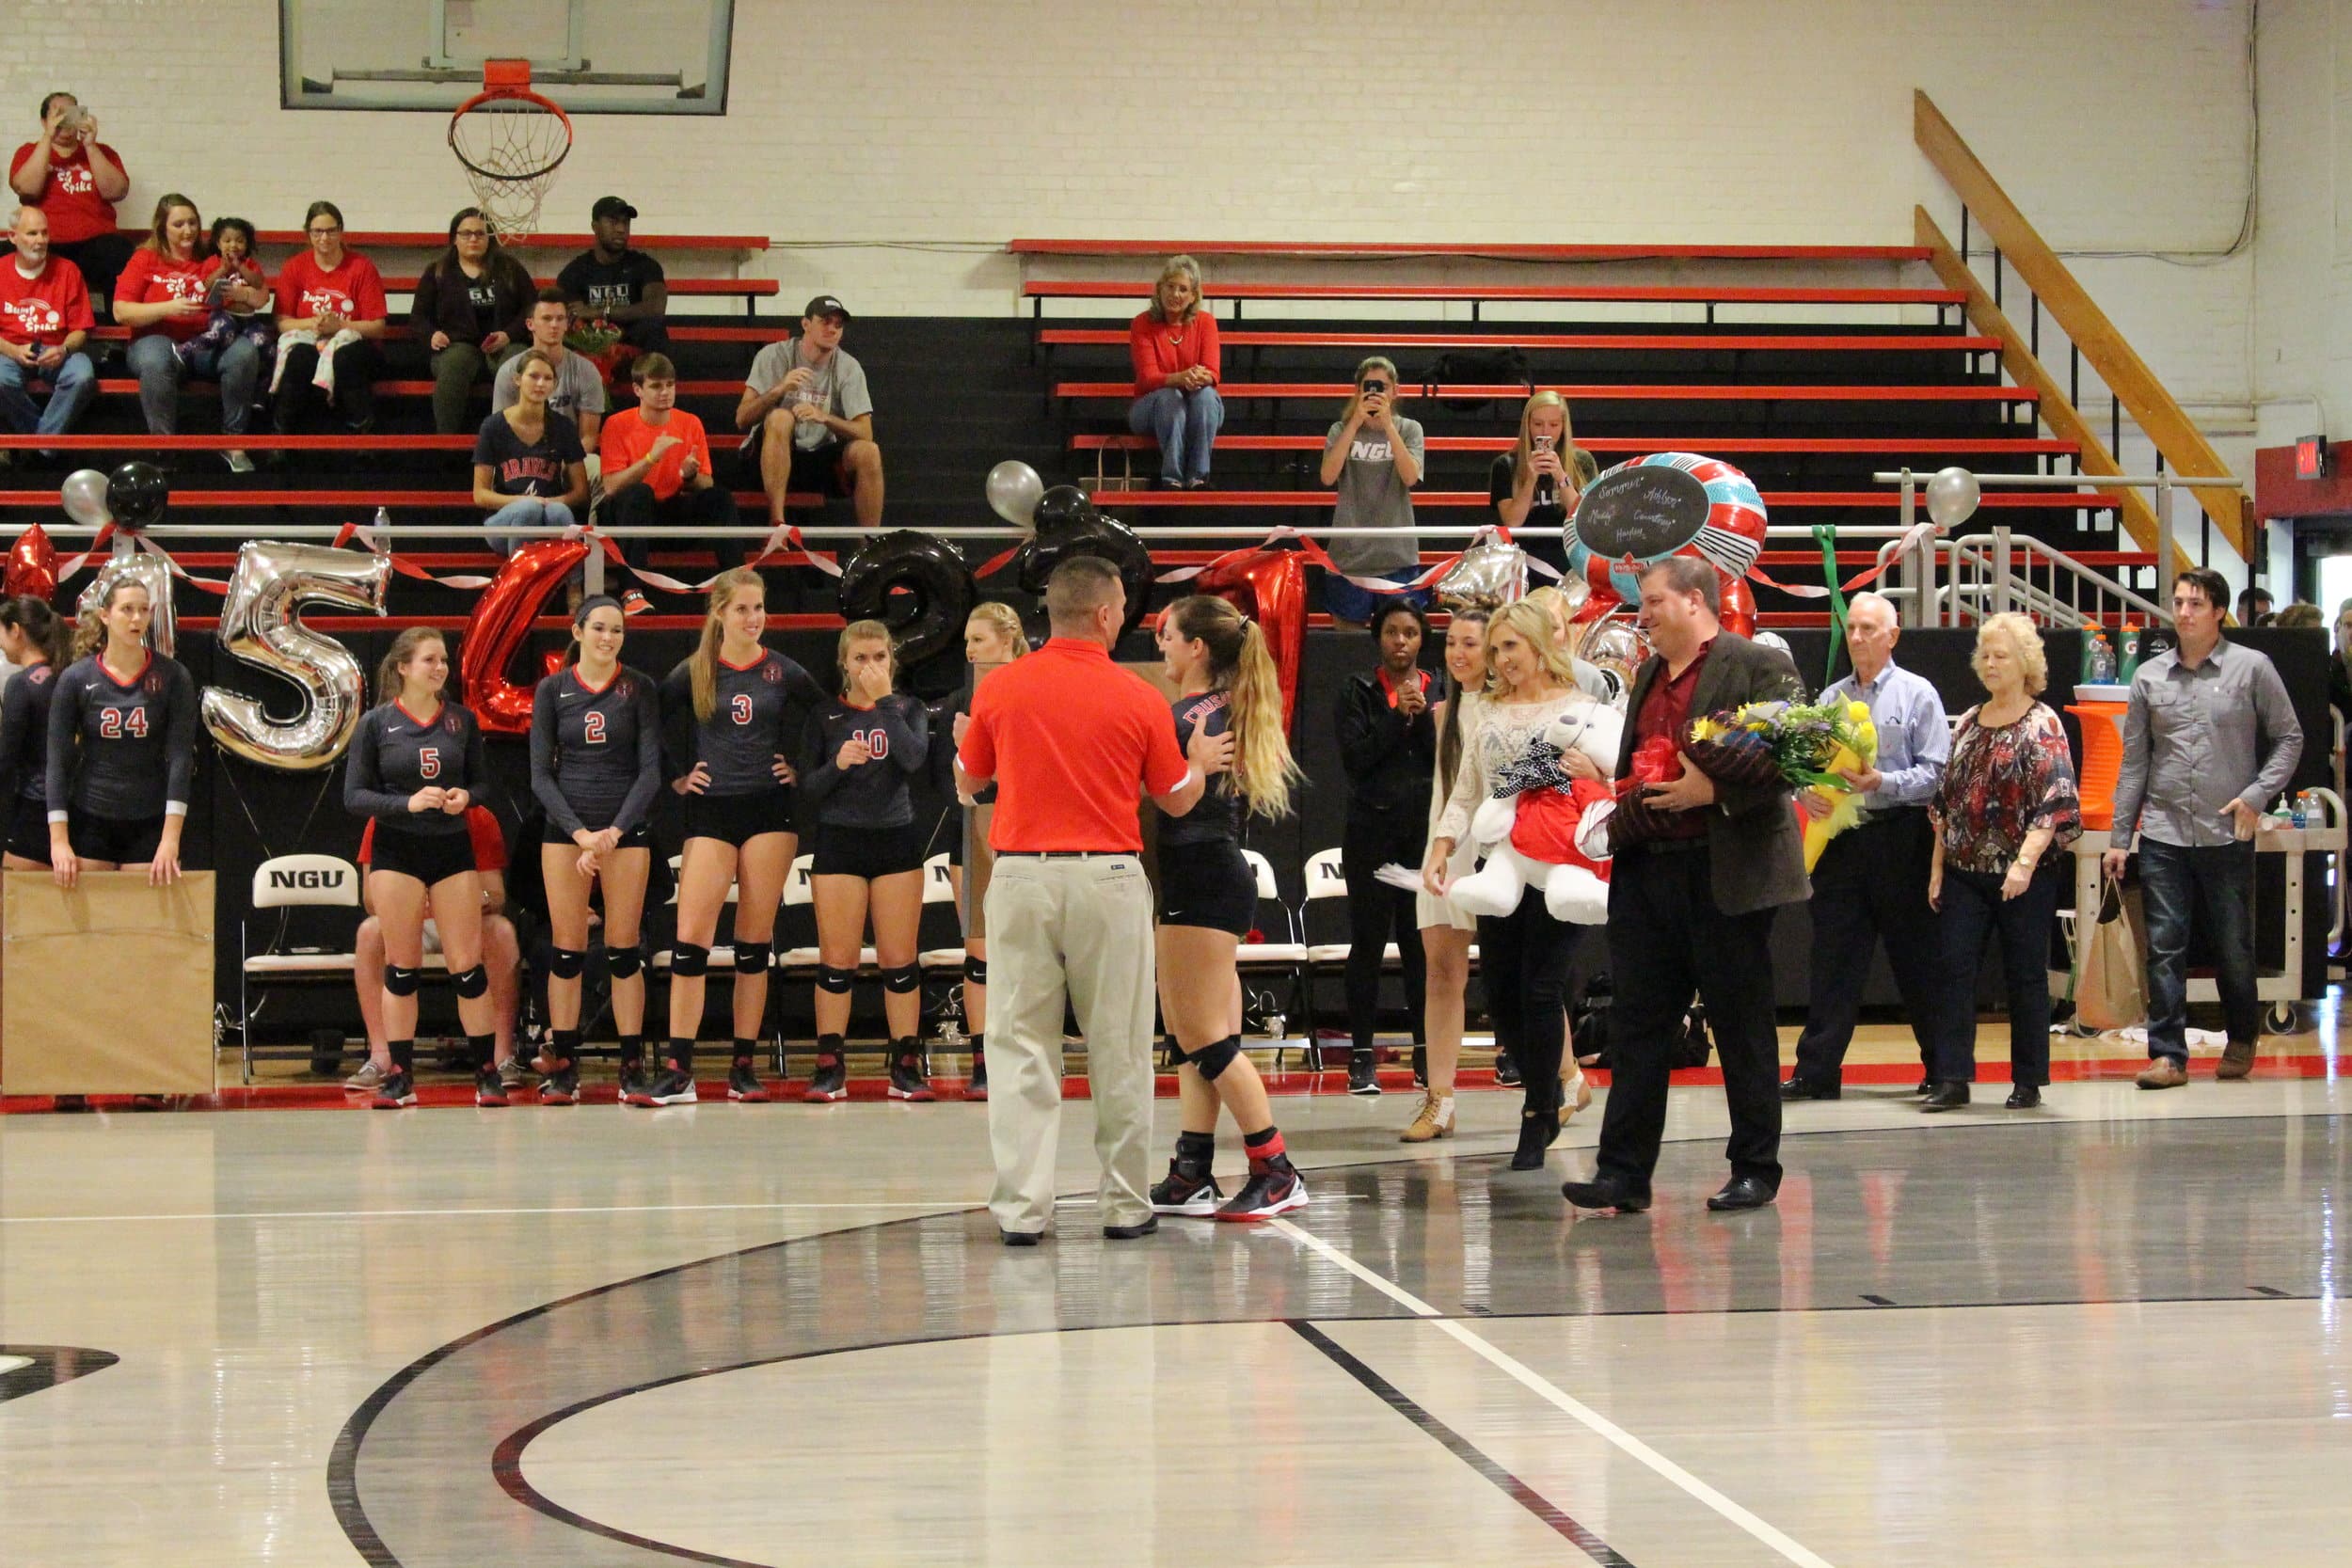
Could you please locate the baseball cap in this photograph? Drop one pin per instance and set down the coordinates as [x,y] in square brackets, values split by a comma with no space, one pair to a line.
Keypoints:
[612,207]
[825,304]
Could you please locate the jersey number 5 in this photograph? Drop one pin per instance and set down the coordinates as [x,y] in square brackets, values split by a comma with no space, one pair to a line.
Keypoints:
[116,722]
[428,762]
[593,725]
[742,708]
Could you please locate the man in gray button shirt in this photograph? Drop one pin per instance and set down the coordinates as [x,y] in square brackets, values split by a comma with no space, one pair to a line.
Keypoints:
[2209,740]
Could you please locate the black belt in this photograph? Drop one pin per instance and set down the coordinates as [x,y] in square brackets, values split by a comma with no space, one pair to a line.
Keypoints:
[1671,846]
[1066,854]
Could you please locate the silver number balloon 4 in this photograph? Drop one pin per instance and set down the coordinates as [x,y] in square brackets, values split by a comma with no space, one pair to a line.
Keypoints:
[150,571]
[261,625]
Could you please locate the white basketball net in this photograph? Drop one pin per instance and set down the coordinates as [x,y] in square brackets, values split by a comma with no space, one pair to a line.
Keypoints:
[510,148]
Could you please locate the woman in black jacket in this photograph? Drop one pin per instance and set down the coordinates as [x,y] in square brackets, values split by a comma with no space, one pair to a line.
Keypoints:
[1388,745]
[468,307]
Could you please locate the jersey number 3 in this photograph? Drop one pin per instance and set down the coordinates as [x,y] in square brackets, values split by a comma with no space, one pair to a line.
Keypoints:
[741,707]
[591,725]
[428,762]
[116,722]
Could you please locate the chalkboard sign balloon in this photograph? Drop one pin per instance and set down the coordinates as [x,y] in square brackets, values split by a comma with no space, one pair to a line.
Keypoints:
[915,583]
[1668,503]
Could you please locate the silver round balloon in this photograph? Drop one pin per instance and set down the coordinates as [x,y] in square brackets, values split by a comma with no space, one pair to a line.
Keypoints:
[84,496]
[1770,639]
[1490,575]
[1616,649]
[1014,491]
[1952,497]
[150,571]
[261,625]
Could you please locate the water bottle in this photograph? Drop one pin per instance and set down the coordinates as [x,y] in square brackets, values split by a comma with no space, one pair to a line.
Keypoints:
[2098,659]
[2128,652]
[2301,815]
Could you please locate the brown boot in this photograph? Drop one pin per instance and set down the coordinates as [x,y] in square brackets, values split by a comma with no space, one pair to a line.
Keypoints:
[2163,1073]
[1435,1120]
[2237,1060]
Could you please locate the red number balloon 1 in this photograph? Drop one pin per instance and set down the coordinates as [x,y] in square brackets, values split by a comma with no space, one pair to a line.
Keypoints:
[500,621]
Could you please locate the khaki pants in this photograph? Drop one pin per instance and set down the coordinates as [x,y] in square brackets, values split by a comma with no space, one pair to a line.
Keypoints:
[1079,929]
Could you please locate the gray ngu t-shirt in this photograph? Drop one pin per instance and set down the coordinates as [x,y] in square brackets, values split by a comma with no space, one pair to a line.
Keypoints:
[1371,495]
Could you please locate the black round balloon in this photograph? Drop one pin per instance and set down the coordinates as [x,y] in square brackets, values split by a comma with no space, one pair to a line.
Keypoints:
[1061,509]
[915,583]
[137,494]
[1098,535]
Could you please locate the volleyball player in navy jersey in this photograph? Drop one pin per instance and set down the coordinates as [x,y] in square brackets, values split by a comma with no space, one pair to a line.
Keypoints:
[861,750]
[34,641]
[731,707]
[1208,899]
[993,637]
[122,748]
[595,765]
[416,765]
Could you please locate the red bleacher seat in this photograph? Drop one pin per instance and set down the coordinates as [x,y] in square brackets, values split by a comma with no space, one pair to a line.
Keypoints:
[1661,293]
[1373,337]
[1472,249]
[1595,392]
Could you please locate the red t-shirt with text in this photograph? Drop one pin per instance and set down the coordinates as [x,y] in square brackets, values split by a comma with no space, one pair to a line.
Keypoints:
[354,289]
[153,279]
[43,309]
[76,210]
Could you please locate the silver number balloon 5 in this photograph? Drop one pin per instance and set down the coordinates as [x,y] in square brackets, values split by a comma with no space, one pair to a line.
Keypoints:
[150,571]
[260,625]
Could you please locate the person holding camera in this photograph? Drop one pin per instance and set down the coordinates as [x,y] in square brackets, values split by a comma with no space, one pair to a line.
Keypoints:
[1176,354]
[1538,481]
[76,179]
[1372,457]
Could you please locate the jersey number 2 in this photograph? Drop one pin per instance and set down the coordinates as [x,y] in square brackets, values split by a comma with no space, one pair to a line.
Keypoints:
[116,722]
[428,762]
[591,724]
[741,707]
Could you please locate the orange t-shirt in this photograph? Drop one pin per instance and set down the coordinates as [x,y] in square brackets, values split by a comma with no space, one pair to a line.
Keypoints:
[1073,743]
[627,438]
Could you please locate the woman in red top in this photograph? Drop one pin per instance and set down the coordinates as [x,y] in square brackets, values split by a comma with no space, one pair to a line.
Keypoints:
[161,299]
[1175,349]
[76,179]
[323,295]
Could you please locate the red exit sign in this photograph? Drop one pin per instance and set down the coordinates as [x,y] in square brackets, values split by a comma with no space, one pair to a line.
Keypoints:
[2311,458]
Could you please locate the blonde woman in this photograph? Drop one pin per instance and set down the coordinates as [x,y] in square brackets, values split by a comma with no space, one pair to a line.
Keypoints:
[1178,363]
[1533,699]
[993,639]
[1555,604]
[1208,899]
[1372,458]
[1445,931]
[863,749]
[1539,481]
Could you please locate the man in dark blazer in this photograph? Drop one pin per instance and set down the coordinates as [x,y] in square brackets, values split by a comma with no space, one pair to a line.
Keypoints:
[1690,909]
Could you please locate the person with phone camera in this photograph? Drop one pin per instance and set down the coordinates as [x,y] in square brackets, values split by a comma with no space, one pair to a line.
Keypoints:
[1372,458]
[1537,483]
[76,179]
[1176,354]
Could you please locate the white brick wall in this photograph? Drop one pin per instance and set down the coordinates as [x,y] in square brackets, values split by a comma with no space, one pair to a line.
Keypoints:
[894,150]
[2302,335]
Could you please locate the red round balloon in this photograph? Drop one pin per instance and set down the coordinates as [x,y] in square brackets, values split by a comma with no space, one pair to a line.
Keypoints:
[1738,609]
[1269,587]
[500,621]
[32,565]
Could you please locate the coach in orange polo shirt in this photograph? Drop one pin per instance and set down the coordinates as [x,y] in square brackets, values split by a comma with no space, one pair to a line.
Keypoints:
[1071,741]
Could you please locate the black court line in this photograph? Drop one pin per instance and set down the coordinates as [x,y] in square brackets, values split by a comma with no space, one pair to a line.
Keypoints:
[46,1366]
[1461,1448]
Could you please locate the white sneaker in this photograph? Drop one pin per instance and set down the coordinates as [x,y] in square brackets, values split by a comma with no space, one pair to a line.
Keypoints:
[368,1078]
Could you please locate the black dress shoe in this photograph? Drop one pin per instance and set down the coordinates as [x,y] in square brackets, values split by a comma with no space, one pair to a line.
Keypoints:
[1604,1192]
[1805,1088]
[1020,1237]
[1927,1085]
[1946,1097]
[1132,1232]
[2025,1097]
[1741,1192]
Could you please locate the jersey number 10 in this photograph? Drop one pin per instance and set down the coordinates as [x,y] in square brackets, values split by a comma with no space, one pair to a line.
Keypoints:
[116,722]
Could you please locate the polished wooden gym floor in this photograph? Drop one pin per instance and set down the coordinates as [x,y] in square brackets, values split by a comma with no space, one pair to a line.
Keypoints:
[2108,1332]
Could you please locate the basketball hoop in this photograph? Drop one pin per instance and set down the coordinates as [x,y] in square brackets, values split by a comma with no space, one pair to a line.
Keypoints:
[511,141]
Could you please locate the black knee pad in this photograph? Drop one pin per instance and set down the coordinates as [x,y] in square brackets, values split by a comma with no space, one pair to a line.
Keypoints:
[1214,1057]
[904,979]
[567,964]
[623,963]
[470,983]
[751,957]
[834,980]
[402,981]
[689,961]
[974,971]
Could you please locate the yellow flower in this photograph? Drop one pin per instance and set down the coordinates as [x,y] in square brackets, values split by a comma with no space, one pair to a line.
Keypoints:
[1859,713]
[1706,729]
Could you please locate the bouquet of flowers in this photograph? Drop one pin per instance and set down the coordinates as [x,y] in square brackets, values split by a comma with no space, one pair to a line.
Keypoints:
[1804,744]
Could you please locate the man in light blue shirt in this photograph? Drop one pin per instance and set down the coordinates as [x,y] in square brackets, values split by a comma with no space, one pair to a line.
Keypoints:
[1870,884]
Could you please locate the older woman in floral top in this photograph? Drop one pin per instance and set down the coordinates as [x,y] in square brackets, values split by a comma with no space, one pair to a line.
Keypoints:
[2008,799]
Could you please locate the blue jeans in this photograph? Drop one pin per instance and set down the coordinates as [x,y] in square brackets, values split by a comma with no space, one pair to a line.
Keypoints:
[526,512]
[1974,911]
[1185,424]
[72,384]
[155,361]
[1343,601]
[2217,883]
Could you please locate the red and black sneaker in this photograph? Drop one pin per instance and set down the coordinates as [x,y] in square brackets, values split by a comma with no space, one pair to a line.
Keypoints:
[907,1081]
[1267,1193]
[743,1083]
[561,1086]
[397,1092]
[1183,1192]
[976,1086]
[829,1082]
[488,1088]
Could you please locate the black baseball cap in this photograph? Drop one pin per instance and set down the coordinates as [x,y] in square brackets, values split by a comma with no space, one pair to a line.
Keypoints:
[825,304]
[612,207]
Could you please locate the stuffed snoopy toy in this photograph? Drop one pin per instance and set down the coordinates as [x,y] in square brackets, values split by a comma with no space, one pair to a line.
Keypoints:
[1533,831]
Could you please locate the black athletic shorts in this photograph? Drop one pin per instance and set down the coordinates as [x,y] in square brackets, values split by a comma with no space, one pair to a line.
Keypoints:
[639,837]
[866,851]
[814,468]
[125,841]
[430,857]
[28,830]
[737,819]
[1208,885]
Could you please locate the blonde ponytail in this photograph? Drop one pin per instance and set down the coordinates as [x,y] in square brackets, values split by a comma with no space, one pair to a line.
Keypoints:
[1242,666]
[702,663]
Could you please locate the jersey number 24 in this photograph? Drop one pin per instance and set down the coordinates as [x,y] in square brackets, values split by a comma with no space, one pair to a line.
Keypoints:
[116,722]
